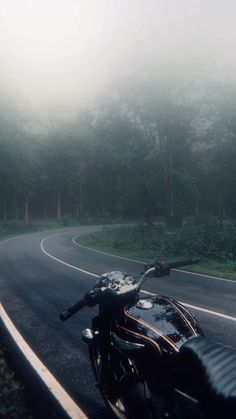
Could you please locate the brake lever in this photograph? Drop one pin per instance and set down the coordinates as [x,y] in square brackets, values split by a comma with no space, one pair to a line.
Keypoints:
[162,268]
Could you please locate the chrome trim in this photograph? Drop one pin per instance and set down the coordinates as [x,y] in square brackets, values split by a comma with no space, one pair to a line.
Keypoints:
[145,337]
[144,304]
[125,344]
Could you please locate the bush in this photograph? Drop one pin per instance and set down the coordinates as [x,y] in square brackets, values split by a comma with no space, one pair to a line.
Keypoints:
[207,237]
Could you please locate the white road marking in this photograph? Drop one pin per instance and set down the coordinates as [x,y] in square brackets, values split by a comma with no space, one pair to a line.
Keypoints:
[214,313]
[206,276]
[211,312]
[144,263]
[61,261]
[67,403]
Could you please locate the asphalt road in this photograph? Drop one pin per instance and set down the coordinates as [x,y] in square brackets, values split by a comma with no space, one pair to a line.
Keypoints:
[34,288]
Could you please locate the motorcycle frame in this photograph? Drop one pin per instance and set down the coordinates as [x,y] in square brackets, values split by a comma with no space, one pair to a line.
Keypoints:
[148,353]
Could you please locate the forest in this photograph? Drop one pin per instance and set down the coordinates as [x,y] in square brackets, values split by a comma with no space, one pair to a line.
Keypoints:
[146,149]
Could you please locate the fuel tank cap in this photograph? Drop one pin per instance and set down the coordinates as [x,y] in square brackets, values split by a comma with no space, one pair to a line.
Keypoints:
[144,304]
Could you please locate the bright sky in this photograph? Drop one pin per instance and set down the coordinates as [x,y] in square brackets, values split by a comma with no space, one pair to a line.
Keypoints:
[65,52]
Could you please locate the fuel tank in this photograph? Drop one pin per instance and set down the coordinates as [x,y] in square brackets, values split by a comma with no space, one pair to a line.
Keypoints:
[160,322]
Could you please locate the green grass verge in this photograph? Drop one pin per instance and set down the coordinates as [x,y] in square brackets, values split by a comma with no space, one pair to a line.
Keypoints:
[134,243]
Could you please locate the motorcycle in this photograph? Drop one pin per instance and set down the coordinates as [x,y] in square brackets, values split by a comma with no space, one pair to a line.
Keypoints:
[149,355]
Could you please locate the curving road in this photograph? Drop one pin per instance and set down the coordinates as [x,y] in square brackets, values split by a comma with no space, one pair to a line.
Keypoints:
[43,273]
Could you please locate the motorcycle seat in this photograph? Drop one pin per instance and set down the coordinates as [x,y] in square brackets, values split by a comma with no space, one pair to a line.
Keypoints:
[211,369]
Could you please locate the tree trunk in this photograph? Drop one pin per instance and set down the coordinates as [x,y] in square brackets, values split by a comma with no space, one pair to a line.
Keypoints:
[196,206]
[80,199]
[169,196]
[171,201]
[148,222]
[196,202]
[59,212]
[77,212]
[26,217]
[16,211]
[223,211]
[167,167]
[4,209]
[45,209]
[221,207]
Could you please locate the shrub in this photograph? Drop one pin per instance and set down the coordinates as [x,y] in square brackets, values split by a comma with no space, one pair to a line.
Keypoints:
[207,237]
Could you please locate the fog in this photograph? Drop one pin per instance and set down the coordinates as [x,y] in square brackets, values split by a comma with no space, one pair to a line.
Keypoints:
[59,55]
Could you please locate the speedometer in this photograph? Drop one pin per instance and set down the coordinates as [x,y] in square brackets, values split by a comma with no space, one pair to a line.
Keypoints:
[116,276]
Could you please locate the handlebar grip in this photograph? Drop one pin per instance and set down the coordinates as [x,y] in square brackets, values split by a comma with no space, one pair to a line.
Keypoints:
[65,315]
[186,262]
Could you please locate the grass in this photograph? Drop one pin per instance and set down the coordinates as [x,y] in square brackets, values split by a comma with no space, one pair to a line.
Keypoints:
[225,269]
[135,243]
[13,404]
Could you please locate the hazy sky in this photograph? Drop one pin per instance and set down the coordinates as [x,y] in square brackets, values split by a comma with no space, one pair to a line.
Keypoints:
[62,53]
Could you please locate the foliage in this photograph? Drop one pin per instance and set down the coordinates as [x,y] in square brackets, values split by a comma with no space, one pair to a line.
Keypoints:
[208,238]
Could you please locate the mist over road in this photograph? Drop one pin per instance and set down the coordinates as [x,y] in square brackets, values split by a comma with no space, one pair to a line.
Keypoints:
[34,288]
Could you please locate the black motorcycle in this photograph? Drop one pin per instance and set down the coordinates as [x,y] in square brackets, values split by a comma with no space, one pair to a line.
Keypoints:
[148,353]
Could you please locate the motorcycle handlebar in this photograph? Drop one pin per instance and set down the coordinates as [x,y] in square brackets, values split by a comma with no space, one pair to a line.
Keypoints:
[90,299]
[163,268]
[66,314]
[160,269]
[186,262]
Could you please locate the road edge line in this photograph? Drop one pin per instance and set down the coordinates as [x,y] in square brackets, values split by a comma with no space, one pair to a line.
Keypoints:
[67,404]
